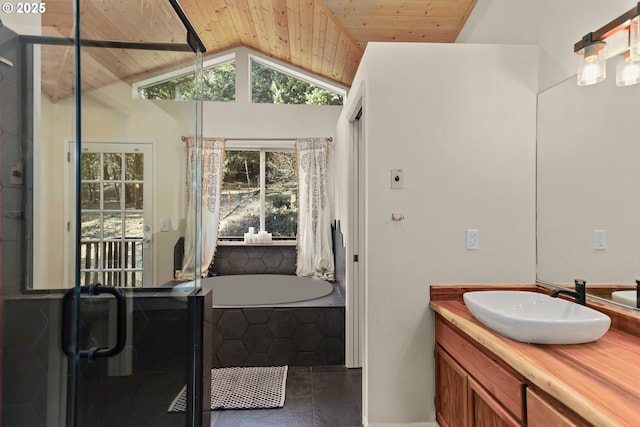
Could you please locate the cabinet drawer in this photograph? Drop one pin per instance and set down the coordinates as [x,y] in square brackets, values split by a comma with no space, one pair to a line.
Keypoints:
[504,386]
[541,413]
[484,410]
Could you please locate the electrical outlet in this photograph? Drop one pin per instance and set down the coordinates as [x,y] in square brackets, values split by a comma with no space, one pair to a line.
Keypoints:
[472,239]
[599,240]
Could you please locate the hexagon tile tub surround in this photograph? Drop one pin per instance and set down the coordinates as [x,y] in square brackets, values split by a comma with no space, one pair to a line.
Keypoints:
[304,333]
[267,336]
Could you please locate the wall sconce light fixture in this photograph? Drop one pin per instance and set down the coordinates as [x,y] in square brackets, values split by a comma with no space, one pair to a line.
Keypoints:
[627,71]
[593,51]
[592,66]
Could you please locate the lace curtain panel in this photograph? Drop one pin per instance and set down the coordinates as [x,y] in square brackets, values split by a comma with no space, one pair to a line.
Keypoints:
[315,247]
[200,248]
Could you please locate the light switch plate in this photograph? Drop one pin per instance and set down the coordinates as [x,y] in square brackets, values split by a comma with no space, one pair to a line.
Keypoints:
[600,240]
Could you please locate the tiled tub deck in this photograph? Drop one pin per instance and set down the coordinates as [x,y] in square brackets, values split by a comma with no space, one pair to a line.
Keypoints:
[306,333]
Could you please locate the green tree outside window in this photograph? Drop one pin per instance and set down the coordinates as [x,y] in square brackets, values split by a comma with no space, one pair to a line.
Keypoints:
[269,86]
[218,84]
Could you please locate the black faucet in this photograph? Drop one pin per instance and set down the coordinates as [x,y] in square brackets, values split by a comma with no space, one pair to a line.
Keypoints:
[580,294]
[637,293]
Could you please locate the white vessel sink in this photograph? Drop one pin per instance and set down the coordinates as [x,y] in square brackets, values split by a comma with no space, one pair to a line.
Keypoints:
[537,318]
[625,297]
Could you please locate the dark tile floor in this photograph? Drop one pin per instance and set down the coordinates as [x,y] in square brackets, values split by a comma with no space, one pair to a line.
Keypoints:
[139,400]
[315,396]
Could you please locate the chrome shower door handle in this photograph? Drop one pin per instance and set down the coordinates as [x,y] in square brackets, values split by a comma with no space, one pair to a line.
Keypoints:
[121,322]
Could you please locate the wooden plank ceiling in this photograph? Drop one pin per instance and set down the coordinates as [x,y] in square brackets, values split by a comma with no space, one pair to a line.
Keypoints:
[324,37]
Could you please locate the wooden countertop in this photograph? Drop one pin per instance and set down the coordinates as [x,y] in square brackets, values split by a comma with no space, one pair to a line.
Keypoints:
[600,381]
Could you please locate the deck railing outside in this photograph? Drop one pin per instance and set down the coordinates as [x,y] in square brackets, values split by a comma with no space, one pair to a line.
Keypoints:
[112,262]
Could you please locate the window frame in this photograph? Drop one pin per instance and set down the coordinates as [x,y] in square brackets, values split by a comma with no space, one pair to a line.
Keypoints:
[210,62]
[243,56]
[290,71]
[262,149]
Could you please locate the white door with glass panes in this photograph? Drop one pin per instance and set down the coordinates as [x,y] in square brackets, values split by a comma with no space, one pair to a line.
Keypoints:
[116,215]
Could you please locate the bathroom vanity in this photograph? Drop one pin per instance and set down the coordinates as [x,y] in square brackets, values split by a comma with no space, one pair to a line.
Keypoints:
[483,378]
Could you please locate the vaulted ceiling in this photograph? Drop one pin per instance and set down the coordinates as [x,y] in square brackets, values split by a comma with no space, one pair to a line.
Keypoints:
[324,37]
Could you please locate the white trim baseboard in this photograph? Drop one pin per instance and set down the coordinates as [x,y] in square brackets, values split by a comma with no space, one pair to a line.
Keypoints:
[365,423]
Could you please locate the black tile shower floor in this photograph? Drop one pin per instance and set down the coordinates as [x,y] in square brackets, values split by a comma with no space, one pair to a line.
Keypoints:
[139,400]
[315,396]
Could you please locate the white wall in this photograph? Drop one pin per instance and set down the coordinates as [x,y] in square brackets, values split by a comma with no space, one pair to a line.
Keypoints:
[49,197]
[565,22]
[460,121]
[553,25]
[588,172]
[111,115]
[21,23]
[502,22]
[585,160]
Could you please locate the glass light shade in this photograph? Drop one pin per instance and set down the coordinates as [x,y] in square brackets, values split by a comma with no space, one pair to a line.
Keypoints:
[592,67]
[634,39]
[627,72]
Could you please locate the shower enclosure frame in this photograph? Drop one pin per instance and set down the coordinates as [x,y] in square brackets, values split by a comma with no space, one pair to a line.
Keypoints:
[71,338]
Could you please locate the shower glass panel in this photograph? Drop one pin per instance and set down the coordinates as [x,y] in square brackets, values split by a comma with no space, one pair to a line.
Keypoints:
[93,190]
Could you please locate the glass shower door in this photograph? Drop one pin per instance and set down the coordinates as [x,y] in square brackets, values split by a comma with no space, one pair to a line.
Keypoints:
[95,352]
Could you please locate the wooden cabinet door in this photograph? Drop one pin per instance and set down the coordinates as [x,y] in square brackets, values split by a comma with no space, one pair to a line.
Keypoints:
[451,391]
[505,387]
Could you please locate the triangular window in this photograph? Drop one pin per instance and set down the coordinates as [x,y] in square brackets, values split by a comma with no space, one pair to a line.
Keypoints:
[219,84]
[271,86]
[271,82]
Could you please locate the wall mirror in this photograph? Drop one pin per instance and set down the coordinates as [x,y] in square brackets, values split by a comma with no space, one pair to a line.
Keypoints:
[588,173]
[127,140]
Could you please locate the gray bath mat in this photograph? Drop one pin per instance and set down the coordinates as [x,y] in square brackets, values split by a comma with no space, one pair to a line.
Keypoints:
[242,388]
